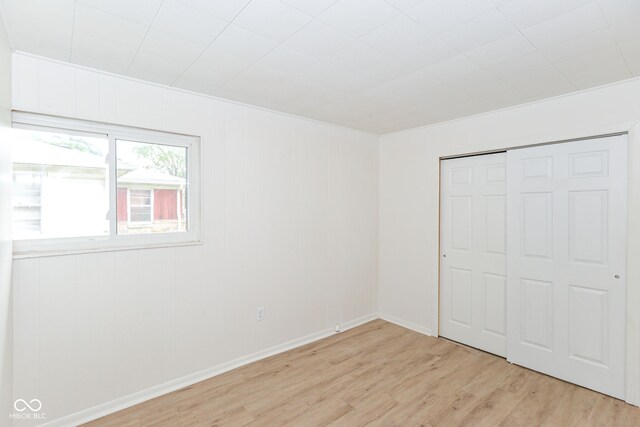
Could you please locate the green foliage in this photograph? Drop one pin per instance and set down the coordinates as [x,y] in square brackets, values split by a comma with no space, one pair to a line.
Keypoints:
[80,145]
[67,141]
[171,160]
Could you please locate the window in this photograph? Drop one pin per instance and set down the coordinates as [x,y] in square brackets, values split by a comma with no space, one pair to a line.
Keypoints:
[87,186]
[152,188]
[140,207]
[60,185]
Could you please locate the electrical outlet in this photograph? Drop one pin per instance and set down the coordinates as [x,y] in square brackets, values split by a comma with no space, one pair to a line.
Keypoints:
[260,313]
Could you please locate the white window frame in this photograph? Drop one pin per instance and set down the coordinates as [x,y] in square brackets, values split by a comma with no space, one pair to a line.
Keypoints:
[114,241]
[151,200]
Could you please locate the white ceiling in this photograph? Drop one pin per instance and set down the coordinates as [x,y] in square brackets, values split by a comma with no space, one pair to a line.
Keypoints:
[375,65]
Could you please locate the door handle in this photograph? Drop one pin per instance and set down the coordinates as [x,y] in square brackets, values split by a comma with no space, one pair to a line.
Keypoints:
[617,276]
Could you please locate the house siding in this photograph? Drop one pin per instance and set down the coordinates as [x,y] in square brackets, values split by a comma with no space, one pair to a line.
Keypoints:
[122,204]
[165,204]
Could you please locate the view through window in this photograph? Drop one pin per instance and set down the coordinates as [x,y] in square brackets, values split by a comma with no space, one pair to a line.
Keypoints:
[103,184]
[60,185]
[151,187]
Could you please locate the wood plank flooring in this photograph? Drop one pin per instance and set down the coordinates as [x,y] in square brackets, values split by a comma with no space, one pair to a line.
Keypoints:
[380,374]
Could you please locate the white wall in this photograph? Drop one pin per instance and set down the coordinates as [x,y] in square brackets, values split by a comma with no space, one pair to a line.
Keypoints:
[6,350]
[409,192]
[289,222]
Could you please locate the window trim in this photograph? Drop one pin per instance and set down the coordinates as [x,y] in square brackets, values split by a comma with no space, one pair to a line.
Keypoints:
[113,241]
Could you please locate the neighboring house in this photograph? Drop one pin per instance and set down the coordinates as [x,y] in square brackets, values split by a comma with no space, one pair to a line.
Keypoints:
[60,191]
[150,200]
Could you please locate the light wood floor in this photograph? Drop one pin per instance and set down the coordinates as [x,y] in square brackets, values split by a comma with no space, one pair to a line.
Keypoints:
[382,375]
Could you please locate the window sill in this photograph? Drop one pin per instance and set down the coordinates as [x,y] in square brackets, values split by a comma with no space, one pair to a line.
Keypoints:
[44,253]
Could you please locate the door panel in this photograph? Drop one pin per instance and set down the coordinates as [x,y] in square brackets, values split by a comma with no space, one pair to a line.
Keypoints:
[461,288]
[537,225]
[473,245]
[588,226]
[566,258]
[537,309]
[461,222]
[495,216]
[494,298]
[588,323]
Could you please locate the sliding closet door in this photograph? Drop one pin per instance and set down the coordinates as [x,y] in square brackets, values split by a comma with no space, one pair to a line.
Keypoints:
[566,261]
[472,251]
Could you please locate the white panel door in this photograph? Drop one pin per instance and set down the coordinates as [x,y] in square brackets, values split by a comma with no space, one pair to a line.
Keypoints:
[472,251]
[566,261]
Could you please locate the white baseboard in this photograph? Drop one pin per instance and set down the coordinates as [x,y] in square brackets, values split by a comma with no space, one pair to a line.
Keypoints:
[357,322]
[406,324]
[127,401]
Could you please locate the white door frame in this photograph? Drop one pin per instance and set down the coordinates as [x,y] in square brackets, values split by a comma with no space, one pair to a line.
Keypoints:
[632,376]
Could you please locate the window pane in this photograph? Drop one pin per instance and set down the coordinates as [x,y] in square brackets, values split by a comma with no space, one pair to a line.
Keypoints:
[151,187]
[60,185]
[140,197]
[137,210]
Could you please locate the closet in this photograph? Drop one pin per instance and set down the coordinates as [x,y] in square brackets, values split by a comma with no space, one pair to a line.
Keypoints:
[533,258]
